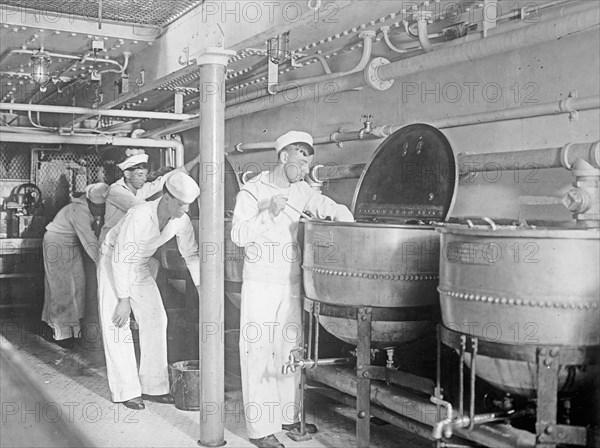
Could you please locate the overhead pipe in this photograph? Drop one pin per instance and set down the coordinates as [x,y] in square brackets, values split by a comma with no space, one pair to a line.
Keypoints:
[94,112]
[81,59]
[486,47]
[491,46]
[568,105]
[385,30]
[544,158]
[422,31]
[367,36]
[558,27]
[315,91]
[94,140]
[560,157]
[336,137]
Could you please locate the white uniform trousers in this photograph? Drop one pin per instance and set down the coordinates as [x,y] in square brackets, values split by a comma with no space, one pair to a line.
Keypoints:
[269,328]
[123,379]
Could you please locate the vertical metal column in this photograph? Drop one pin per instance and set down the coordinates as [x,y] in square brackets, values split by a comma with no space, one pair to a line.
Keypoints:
[210,239]
[363,381]
[547,397]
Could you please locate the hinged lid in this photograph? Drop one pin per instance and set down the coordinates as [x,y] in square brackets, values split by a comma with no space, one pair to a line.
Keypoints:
[412,176]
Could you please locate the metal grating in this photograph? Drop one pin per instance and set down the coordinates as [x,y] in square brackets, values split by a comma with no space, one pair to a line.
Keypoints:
[142,12]
[15,164]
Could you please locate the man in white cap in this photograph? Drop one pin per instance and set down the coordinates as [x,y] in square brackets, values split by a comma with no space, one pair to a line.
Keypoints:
[132,188]
[67,238]
[265,223]
[126,283]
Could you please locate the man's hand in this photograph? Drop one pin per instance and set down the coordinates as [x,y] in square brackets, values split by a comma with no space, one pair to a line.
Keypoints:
[277,204]
[122,312]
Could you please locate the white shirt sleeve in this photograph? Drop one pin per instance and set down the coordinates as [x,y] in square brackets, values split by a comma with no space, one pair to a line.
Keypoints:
[249,223]
[188,247]
[322,207]
[127,251]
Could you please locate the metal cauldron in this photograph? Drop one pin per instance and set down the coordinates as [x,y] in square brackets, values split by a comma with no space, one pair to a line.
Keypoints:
[377,265]
[389,259]
[522,285]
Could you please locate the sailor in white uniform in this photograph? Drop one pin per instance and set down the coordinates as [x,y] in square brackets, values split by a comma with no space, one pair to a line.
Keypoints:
[126,283]
[265,223]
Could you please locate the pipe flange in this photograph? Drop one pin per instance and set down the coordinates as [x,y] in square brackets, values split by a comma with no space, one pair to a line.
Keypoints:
[371,74]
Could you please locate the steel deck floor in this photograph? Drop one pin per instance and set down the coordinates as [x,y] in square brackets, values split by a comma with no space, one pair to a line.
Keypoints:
[74,381]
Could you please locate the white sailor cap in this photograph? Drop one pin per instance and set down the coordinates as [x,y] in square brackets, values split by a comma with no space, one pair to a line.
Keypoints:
[133,160]
[96,193]
[293,137]
[182,187]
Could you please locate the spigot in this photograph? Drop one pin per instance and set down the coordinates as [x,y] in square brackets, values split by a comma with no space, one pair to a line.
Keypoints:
[367,126]
[292,362]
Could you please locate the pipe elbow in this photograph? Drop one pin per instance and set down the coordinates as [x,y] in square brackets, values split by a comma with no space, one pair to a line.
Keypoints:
[440,428]
[423,34]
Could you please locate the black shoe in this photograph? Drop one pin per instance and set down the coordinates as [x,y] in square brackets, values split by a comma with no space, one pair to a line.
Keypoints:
[165,399]
[135,403]
[309,427]
[267,442]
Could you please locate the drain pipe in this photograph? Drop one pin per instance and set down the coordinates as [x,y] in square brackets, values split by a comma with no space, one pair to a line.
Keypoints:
[94,140]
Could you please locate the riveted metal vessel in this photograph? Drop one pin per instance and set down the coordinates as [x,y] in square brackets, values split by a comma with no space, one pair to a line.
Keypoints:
[522,285]
[388,260]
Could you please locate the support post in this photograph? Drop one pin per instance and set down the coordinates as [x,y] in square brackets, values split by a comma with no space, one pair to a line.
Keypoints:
[212,63]
[363,381]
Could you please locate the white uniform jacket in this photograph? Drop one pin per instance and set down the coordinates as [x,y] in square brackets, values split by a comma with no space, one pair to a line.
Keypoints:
[270,243]
[119,199]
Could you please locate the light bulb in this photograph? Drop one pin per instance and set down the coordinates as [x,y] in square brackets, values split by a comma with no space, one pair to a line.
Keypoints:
[39,67]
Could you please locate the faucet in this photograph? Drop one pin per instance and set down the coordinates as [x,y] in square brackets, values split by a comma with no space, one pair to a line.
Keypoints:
[447,426]
[292,362]
[367,126]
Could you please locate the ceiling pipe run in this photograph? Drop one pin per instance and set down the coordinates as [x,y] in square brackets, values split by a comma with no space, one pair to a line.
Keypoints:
[317,91]
[557,27]
[366,36]
[94,140]
[94,112]
[490,46]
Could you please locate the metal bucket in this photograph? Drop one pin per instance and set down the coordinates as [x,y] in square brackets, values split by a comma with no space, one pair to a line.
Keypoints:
[185,384]
[234,265]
